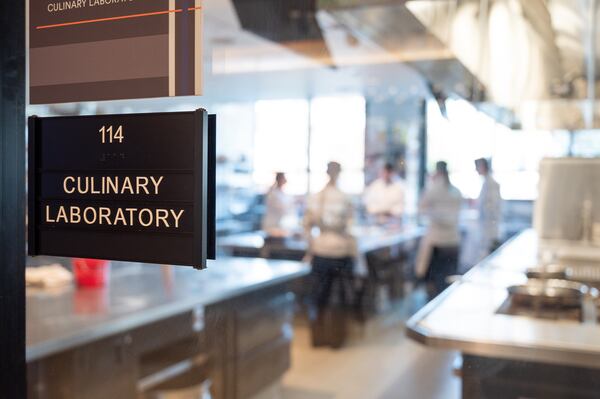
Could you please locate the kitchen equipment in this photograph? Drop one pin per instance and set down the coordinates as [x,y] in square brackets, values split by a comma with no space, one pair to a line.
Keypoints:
[554,312]
[554,292]
[587,274]
[568,203]
[547,272]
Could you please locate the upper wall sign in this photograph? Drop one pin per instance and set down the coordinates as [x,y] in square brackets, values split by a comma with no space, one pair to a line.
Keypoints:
[90,50]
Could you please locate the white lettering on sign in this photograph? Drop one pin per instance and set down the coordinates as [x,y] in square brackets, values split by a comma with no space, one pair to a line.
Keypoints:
[75,4]
[104,216]
[110,135]
[112,185]
[96,185]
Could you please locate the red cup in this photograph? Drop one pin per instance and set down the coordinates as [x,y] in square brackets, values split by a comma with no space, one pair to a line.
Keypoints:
[91,272]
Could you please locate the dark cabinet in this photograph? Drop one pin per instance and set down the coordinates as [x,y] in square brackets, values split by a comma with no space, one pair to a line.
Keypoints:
[249,339]
[104,369]
[242,344]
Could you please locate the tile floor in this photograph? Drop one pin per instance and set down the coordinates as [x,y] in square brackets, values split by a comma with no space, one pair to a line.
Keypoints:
[379,362]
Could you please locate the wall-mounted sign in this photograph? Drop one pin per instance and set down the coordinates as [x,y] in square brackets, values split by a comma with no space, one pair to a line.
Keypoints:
[88,50]
[135,187]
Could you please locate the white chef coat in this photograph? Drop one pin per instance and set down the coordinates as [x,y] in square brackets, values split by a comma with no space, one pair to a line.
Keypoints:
[441,203]
[331,211]
[381,197]
[278,205]
[489,205]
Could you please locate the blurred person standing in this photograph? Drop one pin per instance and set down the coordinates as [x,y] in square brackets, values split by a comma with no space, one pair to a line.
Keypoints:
[278,205]
[437,257]
[333,250]
[489,206]
[384,198]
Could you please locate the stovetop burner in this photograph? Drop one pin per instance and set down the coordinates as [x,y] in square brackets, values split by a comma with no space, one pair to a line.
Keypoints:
[510,307]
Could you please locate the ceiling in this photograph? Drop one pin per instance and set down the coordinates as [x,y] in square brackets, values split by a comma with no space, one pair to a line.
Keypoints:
[243,66]
[523,57]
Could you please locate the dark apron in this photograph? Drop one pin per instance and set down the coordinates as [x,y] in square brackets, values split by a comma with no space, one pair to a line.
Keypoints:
[331,297]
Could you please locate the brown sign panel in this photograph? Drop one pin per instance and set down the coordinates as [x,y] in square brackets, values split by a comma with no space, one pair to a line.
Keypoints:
[90,50]
[136,187]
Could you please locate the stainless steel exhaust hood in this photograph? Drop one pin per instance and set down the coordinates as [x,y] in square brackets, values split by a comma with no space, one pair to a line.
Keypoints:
[291,23]
[392,26]
[536,57]
[389,26]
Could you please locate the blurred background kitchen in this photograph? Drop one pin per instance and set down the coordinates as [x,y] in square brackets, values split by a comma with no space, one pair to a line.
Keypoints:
[369,154]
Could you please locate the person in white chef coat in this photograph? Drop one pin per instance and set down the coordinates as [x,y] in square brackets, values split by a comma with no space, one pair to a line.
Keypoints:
[437,257]
[332,250]
[278,205]
[489,206]
[384,198]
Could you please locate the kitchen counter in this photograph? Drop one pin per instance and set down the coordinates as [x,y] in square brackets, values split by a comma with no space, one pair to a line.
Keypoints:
[369,238]
[373,238]
[64,318]
[465,318]
[385,258]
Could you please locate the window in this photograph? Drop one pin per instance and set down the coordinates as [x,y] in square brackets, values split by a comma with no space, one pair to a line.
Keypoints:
[586,143]
[467,134]
[464,136]
[338,134]
[516,158]
[257,139]
[281,143]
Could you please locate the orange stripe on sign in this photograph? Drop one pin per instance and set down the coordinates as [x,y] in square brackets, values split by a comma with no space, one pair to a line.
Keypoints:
[194,8]
[89,21]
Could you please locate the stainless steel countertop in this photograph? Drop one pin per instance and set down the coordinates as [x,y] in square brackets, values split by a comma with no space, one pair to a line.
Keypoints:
[464,316]
[60,319]
[369,238]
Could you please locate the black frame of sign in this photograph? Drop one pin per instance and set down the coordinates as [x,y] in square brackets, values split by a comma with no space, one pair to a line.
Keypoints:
[131,244]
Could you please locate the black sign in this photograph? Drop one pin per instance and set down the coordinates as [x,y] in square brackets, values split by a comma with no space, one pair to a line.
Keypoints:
[90,50]
[135,187]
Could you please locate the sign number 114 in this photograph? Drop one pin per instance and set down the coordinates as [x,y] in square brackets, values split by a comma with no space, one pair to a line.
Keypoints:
[110,135]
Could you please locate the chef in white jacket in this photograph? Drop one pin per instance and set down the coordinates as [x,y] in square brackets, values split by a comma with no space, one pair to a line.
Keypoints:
[437,257]
[278,205]
[333,251]
[384,197]
[489,206]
